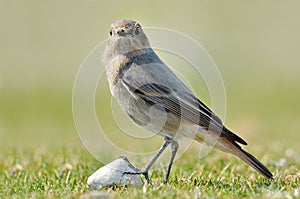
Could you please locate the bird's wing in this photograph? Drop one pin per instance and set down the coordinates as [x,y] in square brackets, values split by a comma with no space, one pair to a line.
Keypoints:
[181,102]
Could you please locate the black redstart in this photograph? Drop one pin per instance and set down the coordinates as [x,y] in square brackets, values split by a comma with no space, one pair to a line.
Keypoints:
[155,98]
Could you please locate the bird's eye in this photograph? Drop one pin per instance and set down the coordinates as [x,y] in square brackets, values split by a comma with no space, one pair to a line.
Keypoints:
[110,32]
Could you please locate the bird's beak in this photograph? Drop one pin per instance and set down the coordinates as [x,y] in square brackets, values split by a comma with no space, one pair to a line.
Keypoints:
[121,32]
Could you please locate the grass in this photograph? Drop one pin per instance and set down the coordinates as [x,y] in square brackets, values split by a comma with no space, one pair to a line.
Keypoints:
[62,173]
[41,155]
[254,45]
[47,160]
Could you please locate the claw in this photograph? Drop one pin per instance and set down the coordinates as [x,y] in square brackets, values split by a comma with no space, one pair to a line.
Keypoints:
[163,147]
[144,173]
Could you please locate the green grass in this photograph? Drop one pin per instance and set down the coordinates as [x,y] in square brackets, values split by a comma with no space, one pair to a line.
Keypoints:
[255,46]
[62,173]
[41,155]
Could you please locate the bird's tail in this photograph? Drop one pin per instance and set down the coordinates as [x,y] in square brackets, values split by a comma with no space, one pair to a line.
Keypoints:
[252,161]
[227,144]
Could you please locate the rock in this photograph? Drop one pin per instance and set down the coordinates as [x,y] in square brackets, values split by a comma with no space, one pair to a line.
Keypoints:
[112,174]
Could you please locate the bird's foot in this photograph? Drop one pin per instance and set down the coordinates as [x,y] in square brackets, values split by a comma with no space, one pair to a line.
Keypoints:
[144,173]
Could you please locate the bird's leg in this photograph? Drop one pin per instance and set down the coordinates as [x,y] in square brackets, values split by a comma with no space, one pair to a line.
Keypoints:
[174,146]
[146,170]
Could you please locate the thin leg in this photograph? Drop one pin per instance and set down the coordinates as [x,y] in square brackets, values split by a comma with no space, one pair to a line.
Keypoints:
[164,146]
[174,146]
[145,172]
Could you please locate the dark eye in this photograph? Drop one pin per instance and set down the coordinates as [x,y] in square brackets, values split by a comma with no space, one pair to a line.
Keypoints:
[110,33]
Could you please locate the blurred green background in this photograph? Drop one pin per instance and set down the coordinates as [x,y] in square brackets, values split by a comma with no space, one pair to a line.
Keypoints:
[255,45]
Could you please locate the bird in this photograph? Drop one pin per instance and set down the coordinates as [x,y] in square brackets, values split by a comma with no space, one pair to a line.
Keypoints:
[150,93]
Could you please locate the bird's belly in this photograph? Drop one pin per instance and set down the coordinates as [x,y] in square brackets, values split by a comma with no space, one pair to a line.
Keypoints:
[151,117]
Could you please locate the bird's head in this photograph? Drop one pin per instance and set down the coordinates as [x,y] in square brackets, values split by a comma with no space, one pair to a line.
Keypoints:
[126,36]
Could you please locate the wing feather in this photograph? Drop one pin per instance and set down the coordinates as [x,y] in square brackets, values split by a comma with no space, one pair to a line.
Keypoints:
[181,103]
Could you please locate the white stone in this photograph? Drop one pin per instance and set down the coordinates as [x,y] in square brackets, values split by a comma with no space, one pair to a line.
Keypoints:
[112,173]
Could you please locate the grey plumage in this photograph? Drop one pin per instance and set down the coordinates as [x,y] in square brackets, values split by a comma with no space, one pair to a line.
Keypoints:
[140,81]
